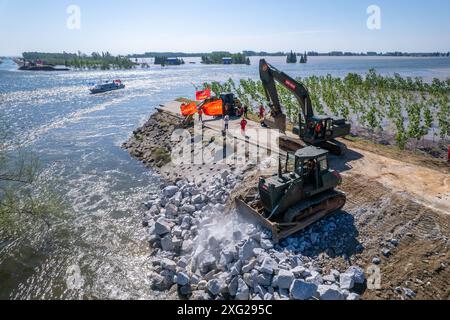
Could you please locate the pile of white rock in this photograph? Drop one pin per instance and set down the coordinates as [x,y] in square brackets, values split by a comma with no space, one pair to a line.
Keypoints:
[209,253]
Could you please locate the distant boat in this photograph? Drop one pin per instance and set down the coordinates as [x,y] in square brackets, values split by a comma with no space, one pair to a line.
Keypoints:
[107,86]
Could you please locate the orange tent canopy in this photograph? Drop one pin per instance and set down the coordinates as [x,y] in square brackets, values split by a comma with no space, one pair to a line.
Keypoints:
[188,109]
[214,108]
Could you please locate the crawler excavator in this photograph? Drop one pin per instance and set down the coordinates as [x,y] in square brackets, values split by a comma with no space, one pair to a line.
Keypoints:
[320,131]
[295,198]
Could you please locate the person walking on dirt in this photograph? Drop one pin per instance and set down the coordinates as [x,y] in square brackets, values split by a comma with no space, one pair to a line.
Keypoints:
[243,125]
[262,114]
[226,121]
[200,115]
[262,111]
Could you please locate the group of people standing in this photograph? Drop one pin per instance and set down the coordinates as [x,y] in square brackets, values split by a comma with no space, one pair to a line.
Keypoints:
[242,111]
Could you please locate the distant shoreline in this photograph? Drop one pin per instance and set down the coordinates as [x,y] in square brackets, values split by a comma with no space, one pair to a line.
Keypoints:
[310,54]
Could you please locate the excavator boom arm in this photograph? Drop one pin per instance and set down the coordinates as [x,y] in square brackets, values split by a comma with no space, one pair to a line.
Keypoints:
[269,75]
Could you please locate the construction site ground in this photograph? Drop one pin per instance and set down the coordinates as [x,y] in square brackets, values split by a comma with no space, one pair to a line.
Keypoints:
[392,195]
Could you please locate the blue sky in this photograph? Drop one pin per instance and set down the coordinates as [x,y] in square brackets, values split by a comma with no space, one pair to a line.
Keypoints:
[136,26]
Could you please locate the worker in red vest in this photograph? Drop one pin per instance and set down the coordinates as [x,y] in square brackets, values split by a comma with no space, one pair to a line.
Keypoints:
[262,115]
[319,129]
[262,112]
[243,125]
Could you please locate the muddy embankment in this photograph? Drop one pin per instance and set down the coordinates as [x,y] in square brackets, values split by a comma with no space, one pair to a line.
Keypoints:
[383,245]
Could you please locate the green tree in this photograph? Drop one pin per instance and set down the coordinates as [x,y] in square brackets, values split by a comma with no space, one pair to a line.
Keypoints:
[26,199]
[444,117]
[415,129]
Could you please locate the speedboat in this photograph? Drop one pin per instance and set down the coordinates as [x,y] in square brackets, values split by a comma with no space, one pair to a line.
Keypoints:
[107,86]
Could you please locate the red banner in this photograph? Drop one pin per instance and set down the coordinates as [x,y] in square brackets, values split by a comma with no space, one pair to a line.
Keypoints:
[188,109]
[203,95]
[213,109]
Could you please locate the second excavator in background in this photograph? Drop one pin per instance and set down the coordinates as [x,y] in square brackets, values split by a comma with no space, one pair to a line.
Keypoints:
[319,131]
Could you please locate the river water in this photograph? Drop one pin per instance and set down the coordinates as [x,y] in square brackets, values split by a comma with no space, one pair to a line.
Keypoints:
[78,138]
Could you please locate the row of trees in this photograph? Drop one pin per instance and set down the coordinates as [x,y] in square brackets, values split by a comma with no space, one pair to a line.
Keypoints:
[217,58]
[96,60]
[168,61]
[409,109]
[292,57]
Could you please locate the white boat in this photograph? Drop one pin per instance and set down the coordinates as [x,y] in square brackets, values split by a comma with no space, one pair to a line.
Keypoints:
[107,86]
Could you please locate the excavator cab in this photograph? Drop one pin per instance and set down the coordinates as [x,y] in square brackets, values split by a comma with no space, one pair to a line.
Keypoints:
[320,131]
[316,129]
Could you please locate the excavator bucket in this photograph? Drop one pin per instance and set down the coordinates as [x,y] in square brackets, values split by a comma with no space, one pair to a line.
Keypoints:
[308,213]
[278,122]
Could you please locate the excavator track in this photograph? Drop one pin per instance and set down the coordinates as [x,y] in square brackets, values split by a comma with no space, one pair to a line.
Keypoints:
[290,144]
[335,147]
[321,205]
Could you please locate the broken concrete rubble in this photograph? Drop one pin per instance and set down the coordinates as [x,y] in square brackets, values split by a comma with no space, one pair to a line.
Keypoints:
[301,290]
[285,279]
[170,191]
[214,255]
[347,281]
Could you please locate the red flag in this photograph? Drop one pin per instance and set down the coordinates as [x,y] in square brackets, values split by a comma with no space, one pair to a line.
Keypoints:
[214,108]
[188,109]
[203,95]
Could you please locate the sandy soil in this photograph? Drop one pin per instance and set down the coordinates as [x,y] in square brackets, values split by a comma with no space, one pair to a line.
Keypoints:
[420,260]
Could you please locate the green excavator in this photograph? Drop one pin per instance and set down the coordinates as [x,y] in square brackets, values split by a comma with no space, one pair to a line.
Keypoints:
[320,131]
[304,189]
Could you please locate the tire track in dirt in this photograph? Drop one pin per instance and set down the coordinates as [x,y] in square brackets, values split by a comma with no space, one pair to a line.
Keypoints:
[420,260]
[429,186]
